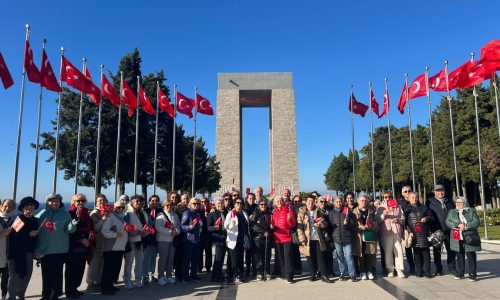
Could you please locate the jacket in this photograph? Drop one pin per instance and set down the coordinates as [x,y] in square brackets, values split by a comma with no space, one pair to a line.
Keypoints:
[440,213]
[97,221]
[282,226]
[150,239]
[5,222]
[342,233]
[304,230]
[191,236]
[260,222]
[386,227]
[110,228]
[21,243]
[132,217]
[414,214]
[219,234]
[83,228]
[452,221]
[233,226]
[164,234]
[57,241]
[371,222]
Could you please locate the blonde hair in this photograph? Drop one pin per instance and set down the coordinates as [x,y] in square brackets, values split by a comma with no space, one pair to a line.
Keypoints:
[78,197]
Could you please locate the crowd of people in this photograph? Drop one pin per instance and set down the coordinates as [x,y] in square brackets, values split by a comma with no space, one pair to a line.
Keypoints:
[165,242]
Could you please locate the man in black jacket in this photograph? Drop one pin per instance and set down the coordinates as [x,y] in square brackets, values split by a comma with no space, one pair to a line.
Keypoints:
[440,206]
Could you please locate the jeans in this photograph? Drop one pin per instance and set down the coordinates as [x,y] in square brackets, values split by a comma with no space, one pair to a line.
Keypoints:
[149,263]
[345,258]
[190,262]
[471,260]
[136,255]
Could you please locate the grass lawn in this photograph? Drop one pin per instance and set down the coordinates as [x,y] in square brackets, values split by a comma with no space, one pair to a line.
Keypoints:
[493,232]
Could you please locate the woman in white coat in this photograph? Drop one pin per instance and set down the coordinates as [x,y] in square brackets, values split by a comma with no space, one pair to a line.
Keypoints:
[238,231]
[167,226]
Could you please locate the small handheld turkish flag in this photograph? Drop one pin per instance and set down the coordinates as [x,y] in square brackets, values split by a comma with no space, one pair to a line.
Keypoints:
[273,191]
[196,220]
[345,210]
[148,228]
[392,203]
[418,227]
[328,197]
[48,225]
[168,224]
[106,209]
[18,224]
[218,222]
[129,227]
[456,234]
[319,220]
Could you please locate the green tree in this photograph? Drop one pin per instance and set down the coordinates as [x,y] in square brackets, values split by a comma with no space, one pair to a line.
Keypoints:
[338,173]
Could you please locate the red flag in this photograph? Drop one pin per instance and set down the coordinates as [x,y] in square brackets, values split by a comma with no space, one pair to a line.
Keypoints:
[74,78]
[474,73]
[185,105]
[165,105]
[148,228]
[106,209]
[455,75]
[403,99]
[87,73]
[319,220]
[5,76]
[247,191]
[438,81]
[168,224]
[29,65]
[357,107]
[129,227]
[93,91]
[48,225]
[456,234]
[374,103]
[48,78]
[203,106]
[218,222]
[145,103]
[109,92]
[128,98]
[417,88]
[392,203]
[345,210]
[491,51]
[153,213]
[196,220]
[386,104]
[418,227]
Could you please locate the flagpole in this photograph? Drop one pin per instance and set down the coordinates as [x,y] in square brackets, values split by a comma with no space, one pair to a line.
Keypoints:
[390,143]
[409,130]
[194,143]
[430,124]
[97,184]
[448,97]
[117,161]
[136,135]
[483,202]
[352,131]
[37,149]
[156,135]
[371,139]
[59,107]
[173,139]
[77,162]
[20,123]
[496,102]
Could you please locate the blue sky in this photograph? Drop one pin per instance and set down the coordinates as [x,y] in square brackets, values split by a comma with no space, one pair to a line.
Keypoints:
[328,45]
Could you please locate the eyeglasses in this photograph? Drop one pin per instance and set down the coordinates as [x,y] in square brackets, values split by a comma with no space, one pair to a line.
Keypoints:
[238,202]
[235,195]
[226,199]
[196,203]
[459,202]
[322,201]
[406,191]
[385,197]
[120,207]
[81,201]
[168,205]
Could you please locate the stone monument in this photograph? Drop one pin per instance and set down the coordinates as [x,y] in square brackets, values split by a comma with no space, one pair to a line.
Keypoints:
[245,90]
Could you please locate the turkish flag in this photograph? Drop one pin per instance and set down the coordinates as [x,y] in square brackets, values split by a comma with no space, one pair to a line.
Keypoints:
[74,78]
[195,221]
[29,65]
[203,106]
[386,104]
[128,98]
[455,76]
[48,78]
[456,234]
[168,224]
[357,107]
[345,210]
[165,104]
[48,225]
[148,228]
[374,103]
[5,76]
[438,81]
[87,73]
[145,103]
[18,224]
[93,91]
[418,227]
[185,105]
[218,222]
[491,51]
[153,213]
[319,220]
[109,92]
[106,209]
[403,99]
[475,72]
[247,191]
[129,227]
[417,88]
[392,203]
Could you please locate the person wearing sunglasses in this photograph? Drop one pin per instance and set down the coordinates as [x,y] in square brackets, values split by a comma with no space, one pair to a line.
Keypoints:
[191,226]
[205,255]
[404,203]
[149,242]
[238,233]
[260,222]
[249,207]
[94,271]
[215,225]
[365,241]
[282,223]
[115,239]
[322,211]
[167,226]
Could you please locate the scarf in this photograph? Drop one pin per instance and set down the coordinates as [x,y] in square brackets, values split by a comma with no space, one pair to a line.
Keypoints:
[461,216]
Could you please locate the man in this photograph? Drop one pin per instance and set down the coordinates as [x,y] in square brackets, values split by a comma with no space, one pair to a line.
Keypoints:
[404,202]
[440,205]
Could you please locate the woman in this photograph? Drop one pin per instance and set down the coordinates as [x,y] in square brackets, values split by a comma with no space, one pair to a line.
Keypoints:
[205,238]
[215,225]
[344,225]
[114,241]
[365,241]
[167,226]
[7,215]
[22,242]
[312,244]
[98,215]
[149,242]
[260,222]
[466,220]
[417,217]
[391,219]
[350,201]
[53,244]
[282,222]
[237,227]
[191,226]
[249,207]
[78,246]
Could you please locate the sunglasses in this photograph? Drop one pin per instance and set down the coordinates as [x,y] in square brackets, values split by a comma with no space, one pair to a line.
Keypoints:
[322,201]
[81,201]
[385,197]
[203,201]
[263,204]
[238,202]
[168,205]
[120,207]
[226,199]
[196,203]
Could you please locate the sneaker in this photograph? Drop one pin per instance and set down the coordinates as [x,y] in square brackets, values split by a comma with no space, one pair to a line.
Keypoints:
[401,274]
[457,277]
[354,279]
[289,281]
[370,276]
[128,285]
[259,277]
[237,279]
[363,276]
[342,277]
[162,281]
[391,274]
[145,280]
[472,278]
[268,277]
[153,279]
[171,280]
[138,284]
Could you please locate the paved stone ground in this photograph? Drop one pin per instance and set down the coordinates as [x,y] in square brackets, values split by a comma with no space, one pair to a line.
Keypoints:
[443,287]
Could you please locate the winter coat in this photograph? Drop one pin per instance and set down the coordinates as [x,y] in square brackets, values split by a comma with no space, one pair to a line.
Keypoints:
[440,213]
[57,241]
[150,239]
[371,222]
[132,217]
[164,234]
[342,233]
[233,227]
[83,228]
[304,230]
[386,228]
[414,214]
[260,222]
[452,221]
[113,225]
[20,244]
[191,236]
[219,234]
[5,222]
[97,221]
[282,226]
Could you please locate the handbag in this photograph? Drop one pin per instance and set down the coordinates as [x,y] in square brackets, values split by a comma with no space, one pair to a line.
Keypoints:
[471,238]
[369,236]
[408,238]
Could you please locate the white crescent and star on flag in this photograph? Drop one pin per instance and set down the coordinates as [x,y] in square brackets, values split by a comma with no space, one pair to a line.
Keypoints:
[417,84]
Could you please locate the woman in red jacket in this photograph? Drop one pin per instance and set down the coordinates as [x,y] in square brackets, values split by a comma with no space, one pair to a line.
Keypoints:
[282,221]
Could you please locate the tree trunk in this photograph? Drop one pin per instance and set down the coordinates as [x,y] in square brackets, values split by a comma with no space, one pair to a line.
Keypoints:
[144,187]
[121,188]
